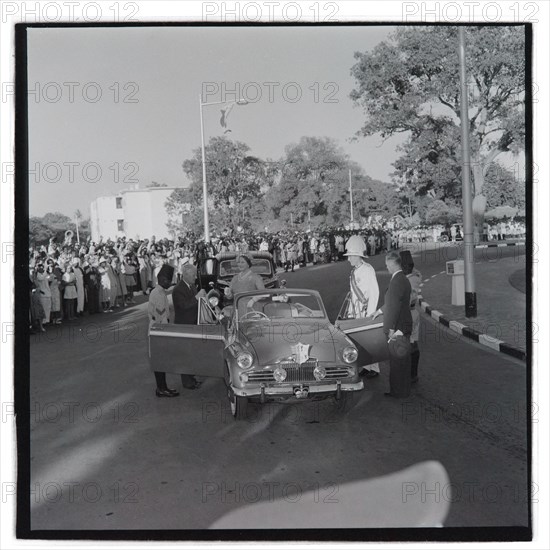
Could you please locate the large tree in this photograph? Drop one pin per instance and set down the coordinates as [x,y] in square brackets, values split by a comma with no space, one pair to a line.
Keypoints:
[410,84]
[52,224]
[503,188]
[235,181]
[312,183]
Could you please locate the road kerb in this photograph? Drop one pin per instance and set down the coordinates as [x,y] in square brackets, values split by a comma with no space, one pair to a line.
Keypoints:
[483,339]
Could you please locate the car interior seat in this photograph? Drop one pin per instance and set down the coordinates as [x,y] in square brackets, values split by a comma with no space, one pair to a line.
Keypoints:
[280,310]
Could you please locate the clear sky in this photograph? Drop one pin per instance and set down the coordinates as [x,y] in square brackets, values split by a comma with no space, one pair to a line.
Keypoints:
[112,107]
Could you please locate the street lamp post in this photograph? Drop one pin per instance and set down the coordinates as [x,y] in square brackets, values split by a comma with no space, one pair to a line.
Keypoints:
[350,199]
[204,185]
[470,296]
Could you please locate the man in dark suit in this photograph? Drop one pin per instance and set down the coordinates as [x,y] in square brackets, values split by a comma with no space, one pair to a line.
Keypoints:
[397,317]
[186,309]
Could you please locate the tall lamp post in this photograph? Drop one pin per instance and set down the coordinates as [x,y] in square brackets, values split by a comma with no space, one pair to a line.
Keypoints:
[470,296]
[350,200]
[204,185]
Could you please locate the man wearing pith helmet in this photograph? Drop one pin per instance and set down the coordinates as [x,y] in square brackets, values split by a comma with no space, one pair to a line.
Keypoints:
[364,291]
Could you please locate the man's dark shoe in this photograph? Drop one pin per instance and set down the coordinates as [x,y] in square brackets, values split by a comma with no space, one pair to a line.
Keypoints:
[166,393]
[369,373]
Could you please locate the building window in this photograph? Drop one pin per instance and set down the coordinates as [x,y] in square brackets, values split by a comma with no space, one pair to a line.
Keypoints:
[120,224]
[119,202]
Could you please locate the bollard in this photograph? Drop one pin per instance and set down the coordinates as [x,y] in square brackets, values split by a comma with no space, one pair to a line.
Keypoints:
[455,269]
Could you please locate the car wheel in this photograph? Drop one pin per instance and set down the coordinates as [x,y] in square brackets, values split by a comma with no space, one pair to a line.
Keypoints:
[237,403]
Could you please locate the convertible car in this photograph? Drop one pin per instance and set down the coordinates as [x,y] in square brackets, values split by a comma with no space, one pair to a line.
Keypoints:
[271,345]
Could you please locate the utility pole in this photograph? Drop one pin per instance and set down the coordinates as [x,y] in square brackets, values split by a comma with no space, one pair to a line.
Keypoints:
[350,199]
[470,298]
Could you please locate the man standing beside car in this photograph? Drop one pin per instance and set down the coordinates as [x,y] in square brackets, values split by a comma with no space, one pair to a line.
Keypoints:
[397,327]
[186,309]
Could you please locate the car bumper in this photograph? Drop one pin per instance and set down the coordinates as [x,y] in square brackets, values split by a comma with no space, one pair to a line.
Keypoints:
[288,389]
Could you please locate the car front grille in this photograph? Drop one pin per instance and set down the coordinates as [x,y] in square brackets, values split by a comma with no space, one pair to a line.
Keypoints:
[299,373]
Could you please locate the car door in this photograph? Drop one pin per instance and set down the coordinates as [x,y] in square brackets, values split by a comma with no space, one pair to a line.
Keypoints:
[367,334]
[188,349]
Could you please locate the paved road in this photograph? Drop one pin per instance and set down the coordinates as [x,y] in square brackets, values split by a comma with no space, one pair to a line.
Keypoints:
[107,454]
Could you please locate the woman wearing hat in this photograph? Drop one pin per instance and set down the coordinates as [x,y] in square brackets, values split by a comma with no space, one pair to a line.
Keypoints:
[70,295]
[364,291]
[245,279]
[105,289]
[158,310]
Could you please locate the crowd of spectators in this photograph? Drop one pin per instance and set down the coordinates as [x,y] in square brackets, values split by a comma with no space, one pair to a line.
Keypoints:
[70,279]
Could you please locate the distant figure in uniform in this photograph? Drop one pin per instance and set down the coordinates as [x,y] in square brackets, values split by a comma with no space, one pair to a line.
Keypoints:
[397,317]
[453,233]
[364,291]
[415,278]
[186,309]
[159,313]
[485,234]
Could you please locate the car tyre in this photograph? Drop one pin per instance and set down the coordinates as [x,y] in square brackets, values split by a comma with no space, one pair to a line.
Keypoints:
[237,403]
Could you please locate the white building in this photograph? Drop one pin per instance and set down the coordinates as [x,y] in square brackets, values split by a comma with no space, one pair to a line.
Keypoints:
[133,213]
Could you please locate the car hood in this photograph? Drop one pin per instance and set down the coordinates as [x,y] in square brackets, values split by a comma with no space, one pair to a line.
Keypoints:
[274,342]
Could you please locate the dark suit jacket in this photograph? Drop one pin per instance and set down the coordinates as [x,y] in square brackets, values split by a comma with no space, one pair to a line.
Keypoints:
[186,306]
[397,311]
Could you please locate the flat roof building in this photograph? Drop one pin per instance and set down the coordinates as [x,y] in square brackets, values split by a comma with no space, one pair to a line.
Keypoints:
[132,213]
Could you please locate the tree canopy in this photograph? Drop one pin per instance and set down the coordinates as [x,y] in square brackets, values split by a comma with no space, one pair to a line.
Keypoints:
[410,84]
[54,224]
[235,179]
[308,186]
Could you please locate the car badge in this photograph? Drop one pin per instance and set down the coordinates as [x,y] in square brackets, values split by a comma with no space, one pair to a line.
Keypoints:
[301,352]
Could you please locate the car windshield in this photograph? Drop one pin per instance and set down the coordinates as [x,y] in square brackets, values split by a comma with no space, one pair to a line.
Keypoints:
[261,266]
[288,305]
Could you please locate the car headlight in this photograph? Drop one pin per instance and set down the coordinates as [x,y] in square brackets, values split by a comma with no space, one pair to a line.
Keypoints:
[319,373]
[244,360]
[350,354]
[279,374]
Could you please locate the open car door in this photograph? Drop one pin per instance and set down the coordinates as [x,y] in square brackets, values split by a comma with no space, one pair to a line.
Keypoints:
[367,334]
[189,349]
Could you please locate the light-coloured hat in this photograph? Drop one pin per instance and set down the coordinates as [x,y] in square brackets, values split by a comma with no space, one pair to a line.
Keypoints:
[356,247]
